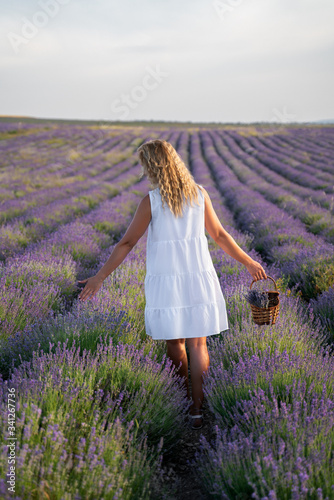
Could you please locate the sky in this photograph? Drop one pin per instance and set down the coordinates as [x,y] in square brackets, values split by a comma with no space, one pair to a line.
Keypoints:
[191,60]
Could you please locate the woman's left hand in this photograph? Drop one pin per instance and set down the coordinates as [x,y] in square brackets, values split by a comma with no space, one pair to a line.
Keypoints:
[256,270]
[93,285]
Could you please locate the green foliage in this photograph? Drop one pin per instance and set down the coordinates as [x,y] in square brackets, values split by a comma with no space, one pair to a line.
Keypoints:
[68,438]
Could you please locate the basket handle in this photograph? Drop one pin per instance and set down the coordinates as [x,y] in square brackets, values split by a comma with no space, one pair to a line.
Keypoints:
[272,279]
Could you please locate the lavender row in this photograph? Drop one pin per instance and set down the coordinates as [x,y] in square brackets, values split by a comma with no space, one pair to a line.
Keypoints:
[304,176]
[317,146]
[313,282]
[35,150]
[271,391]
[297,320]
[15,235]
[305,258]
[299,146]
[202,175]
[75,156]
[92,424]
[319,197]
[317,220]
[41,279]
[304,154]
[241,360]
[59,177]
[323,308]
[252,144]
[292,334]
[61,189]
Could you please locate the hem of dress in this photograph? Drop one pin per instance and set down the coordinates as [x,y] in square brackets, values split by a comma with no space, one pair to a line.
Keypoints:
[186,337]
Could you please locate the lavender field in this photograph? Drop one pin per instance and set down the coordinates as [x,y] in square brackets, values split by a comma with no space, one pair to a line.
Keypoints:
[99,408]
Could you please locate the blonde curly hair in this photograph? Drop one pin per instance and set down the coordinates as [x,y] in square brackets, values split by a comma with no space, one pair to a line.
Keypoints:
[165,169]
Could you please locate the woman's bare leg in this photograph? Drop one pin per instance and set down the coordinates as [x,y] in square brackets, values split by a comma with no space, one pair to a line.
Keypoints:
[199,363]
[176,351]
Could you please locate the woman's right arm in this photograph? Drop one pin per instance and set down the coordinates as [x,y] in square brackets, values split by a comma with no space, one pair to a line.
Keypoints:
[135,231]
[227,242]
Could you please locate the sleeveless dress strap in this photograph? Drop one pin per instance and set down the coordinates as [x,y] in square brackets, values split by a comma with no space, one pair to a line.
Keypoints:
[153,199]
[200,190]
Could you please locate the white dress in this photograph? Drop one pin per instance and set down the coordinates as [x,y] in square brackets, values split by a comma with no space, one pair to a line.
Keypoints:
[183,294]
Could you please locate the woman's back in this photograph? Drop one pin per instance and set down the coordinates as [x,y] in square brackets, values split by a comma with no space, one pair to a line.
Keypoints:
[176,244]
[183,294]
[186,226]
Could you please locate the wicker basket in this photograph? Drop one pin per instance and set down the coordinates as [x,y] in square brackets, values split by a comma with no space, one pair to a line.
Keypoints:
[265,316]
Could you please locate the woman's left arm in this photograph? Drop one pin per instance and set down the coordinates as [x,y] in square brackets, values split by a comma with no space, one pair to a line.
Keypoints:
[134,232]
[227,242]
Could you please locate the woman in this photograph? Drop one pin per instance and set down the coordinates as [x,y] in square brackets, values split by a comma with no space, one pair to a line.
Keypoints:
[184,300]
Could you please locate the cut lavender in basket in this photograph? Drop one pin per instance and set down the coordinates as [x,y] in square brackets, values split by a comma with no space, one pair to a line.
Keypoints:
[257,298]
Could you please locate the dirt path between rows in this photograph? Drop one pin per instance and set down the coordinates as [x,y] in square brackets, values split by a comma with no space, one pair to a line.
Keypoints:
[180,475]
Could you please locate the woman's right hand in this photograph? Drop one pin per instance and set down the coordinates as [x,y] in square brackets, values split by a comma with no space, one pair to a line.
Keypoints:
[256,270]
[92,286]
